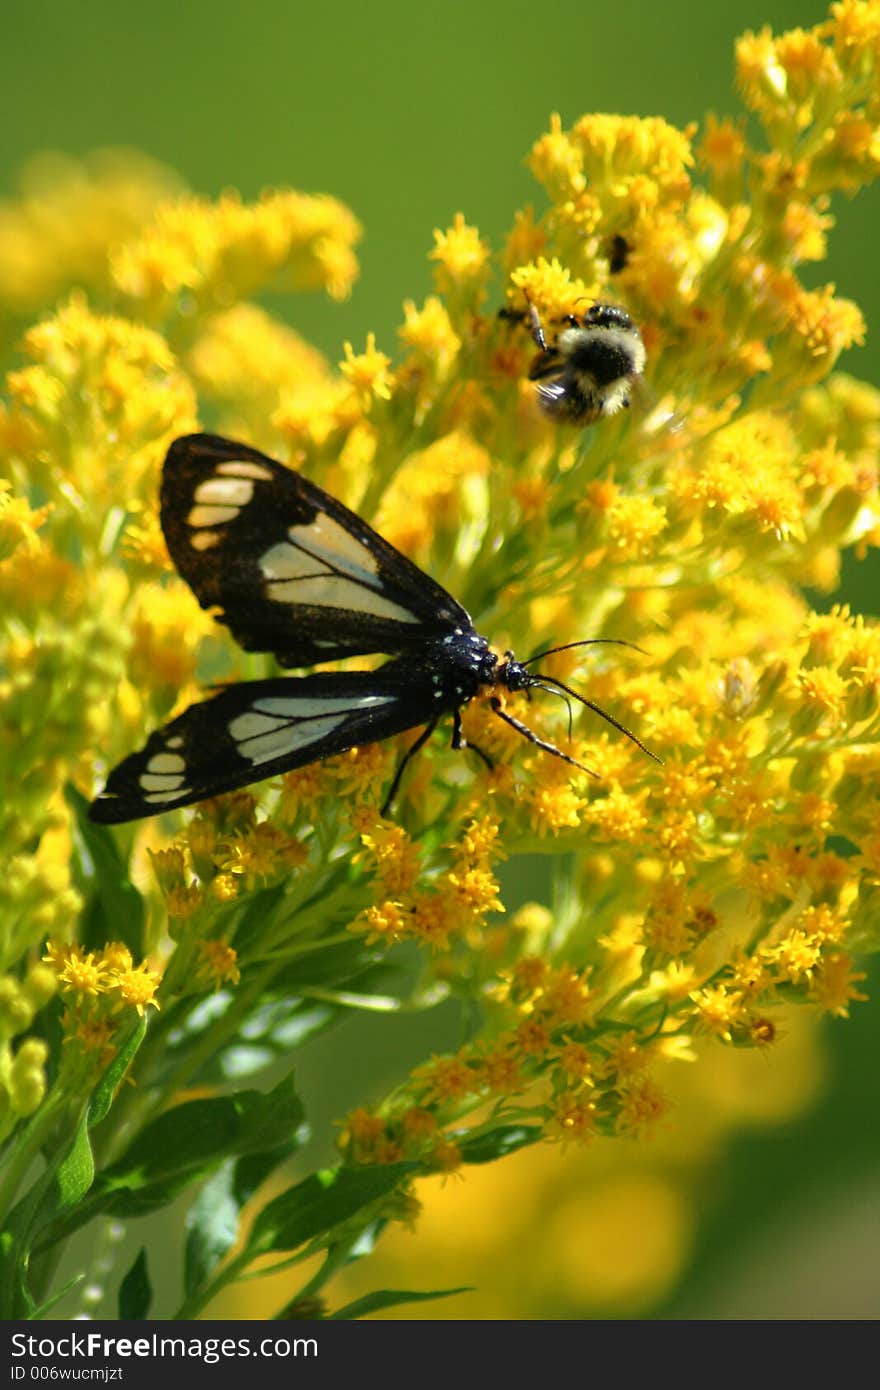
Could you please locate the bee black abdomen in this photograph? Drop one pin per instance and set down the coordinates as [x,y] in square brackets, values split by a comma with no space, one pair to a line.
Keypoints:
[603,358]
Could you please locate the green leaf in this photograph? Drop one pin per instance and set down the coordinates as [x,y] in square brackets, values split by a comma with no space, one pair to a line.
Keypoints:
[211,1228]
[212,1221]
[313,1207]
[54,1192]
[193,1139]
[389,1298]
[274,1117]
[135,1291]
[113,908]
[74,1175]
[251,1170]
[505,1139]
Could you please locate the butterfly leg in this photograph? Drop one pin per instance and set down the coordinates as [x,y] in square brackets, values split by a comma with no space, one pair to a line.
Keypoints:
[459,740]
[410,753]
[532,737]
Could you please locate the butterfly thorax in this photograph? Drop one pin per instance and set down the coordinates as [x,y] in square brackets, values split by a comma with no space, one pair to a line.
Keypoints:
[457,667]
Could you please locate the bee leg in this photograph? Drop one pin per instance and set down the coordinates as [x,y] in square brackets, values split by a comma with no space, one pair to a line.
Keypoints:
[536,327]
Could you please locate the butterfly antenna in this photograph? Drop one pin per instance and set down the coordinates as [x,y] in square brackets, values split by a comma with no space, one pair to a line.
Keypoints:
[587,642]
[597,709]
[550,691]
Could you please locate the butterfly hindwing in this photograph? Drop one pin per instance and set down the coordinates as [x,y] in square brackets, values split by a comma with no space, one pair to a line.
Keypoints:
[293,571]
[256,729]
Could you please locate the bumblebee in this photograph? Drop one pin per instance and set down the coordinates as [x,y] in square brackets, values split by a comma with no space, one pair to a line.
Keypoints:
[591,369]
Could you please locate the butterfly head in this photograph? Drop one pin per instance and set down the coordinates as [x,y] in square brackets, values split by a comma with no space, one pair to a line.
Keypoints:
[513,675]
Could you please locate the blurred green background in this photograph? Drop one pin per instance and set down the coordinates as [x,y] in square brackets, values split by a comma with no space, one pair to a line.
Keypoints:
[410,114]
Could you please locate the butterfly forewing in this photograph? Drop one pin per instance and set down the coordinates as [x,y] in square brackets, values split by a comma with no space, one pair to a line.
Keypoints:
[259,728]
[293,571]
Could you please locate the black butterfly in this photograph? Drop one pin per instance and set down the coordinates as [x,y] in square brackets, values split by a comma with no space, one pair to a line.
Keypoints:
[296,573]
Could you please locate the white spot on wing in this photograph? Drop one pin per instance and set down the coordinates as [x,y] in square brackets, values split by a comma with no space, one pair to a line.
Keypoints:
[251,725]
[175,742]
[166,762]
[244,468]
[289,739]
[211,516]
[328,541]
[160,784]
[203,540]
[158,798]
[285,561]
[302,707]
[332,591]
[228,492]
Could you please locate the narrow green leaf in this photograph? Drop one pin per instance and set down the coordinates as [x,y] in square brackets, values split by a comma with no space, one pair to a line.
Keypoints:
[15,1298]
[389,1298]
[114,909]
[50,1303]
[333,965]
[105,1091]
[506,1139]
[314,1206]
[135,1291]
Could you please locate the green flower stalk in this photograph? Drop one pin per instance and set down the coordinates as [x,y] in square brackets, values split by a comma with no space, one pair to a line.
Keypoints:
[702,898]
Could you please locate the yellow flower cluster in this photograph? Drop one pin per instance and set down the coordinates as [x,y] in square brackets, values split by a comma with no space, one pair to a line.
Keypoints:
[58,230]
[457,901]
[197,257]
[97,988]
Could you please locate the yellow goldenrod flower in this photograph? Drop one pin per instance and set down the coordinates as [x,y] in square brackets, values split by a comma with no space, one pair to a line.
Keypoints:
[219,962]
[461,270]
[367,372]
[429,335]
[642,1105]
[66,217]
[198,256]
[574,1119]
[718,1010]
[137,986]
[382,921]
[79,973]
